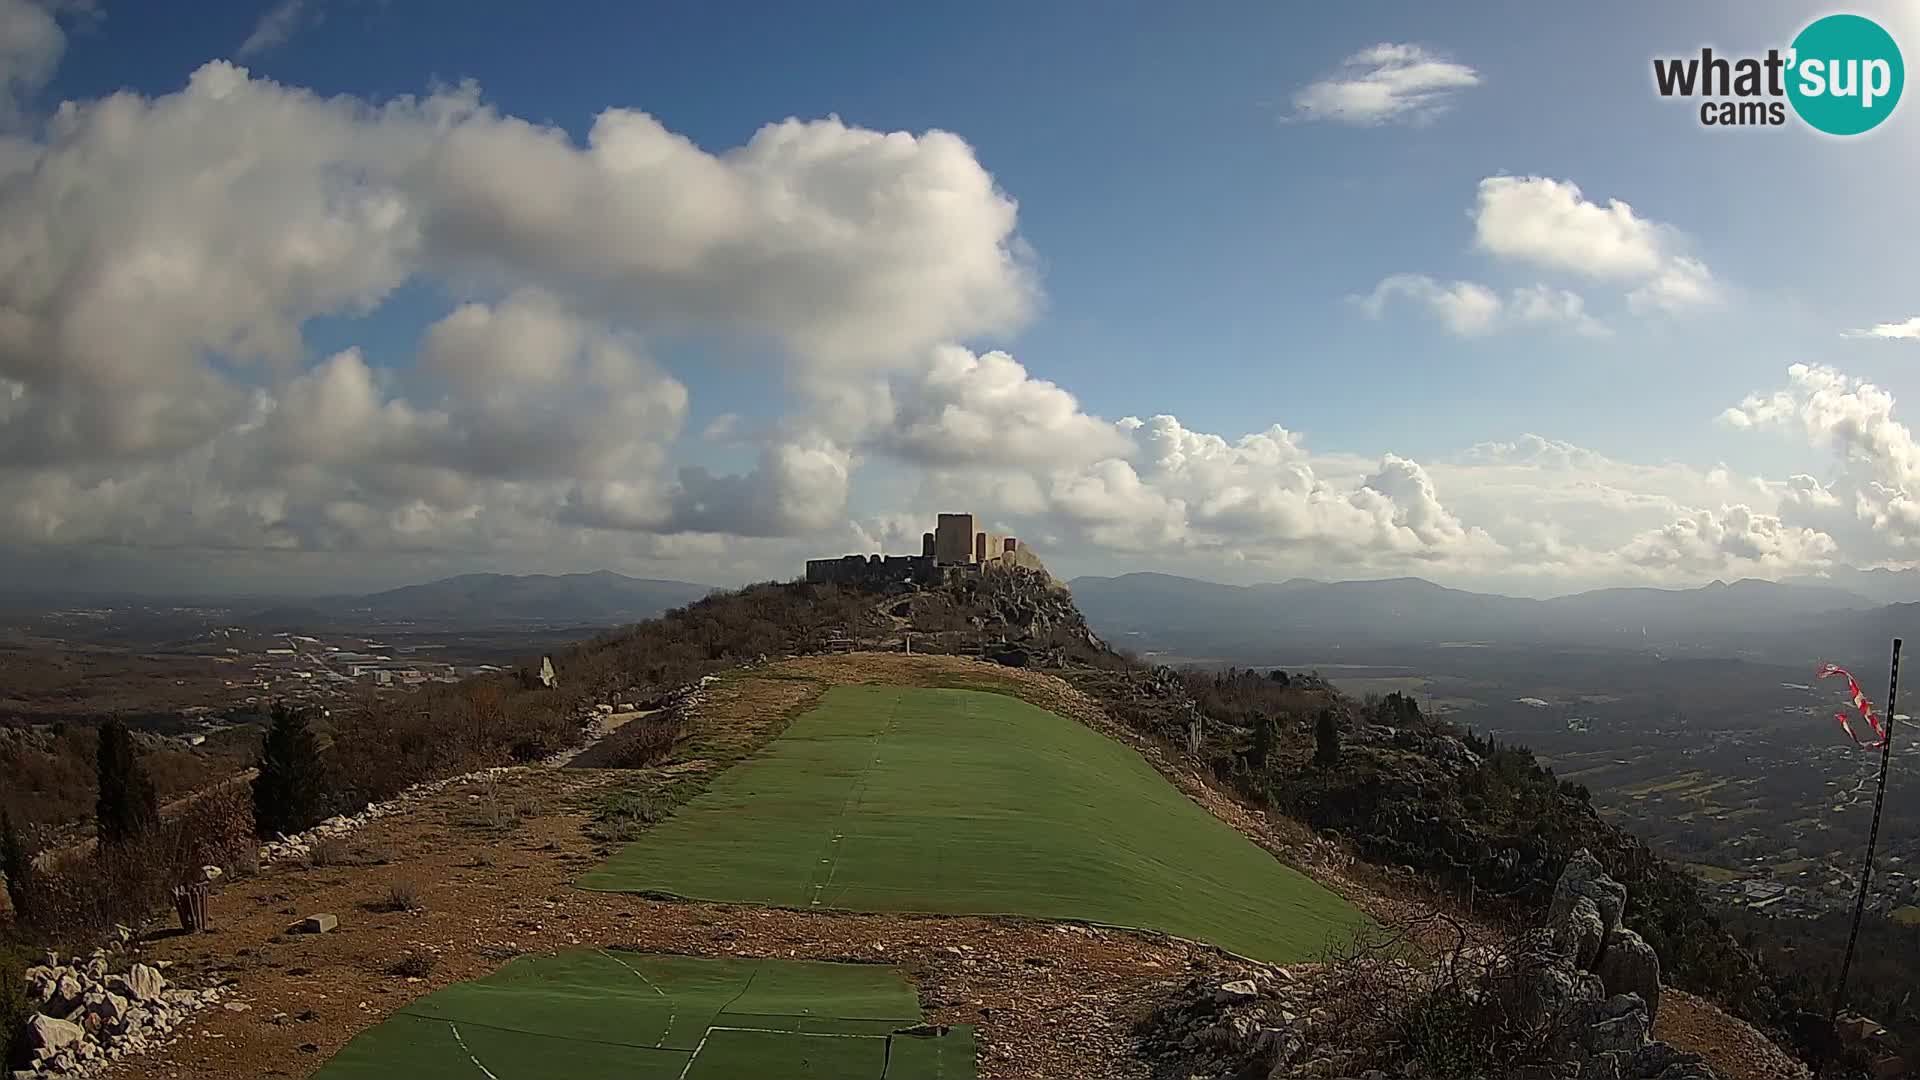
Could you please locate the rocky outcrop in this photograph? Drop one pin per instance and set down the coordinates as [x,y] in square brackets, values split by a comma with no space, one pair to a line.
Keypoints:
[1585,912]
[1573,998]
[86,1015]
[1596,986]
[1629,966]
[1024,606]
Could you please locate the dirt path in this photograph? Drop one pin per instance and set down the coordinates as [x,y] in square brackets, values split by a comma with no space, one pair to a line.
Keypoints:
[584,757]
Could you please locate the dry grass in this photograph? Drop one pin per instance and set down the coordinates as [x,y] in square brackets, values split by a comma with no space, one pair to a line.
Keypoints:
[403,895]
[414,965]
[330,851]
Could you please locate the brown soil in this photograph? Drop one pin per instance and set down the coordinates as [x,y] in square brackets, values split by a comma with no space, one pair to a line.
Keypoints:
[493,867]
[1729,1044]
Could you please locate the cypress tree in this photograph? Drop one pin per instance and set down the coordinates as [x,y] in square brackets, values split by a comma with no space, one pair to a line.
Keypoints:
[17,863]
[1265,734]
[127,808]
[290,793]
[1326,737]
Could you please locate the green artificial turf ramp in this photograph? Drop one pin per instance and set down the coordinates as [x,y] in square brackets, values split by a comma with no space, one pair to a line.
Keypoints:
[957,801]
[592,1014]
[747,1055]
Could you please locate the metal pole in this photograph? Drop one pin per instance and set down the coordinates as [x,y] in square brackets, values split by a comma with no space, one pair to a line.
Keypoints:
[1873,837]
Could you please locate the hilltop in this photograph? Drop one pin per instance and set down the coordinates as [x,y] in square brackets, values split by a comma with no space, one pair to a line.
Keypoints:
[1405,816]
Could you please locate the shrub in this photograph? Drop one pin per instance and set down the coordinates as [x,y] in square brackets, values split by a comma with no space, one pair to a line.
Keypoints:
[623,815]
[641,742]
[414,965]
[83,897]
[128,806]
[289,794]
[403,896]
[16,862]
[14,1009]
[500,811]
[1441,1033]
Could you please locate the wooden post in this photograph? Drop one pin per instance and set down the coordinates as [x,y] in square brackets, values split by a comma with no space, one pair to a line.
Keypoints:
[191,900]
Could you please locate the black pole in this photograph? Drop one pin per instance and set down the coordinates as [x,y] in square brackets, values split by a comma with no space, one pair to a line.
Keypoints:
[1873,837]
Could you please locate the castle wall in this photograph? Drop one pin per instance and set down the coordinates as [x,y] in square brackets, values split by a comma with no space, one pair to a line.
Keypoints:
[953,539]
[870,570]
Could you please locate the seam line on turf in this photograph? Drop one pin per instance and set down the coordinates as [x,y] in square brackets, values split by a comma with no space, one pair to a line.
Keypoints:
[802,1034]
[546,1034]
[455,1028]
[854,793]
[672,1005]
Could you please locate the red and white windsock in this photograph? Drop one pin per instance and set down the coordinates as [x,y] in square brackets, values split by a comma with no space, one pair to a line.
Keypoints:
[1860,703]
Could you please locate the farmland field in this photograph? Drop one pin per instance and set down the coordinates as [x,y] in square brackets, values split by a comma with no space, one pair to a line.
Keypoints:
[954,801]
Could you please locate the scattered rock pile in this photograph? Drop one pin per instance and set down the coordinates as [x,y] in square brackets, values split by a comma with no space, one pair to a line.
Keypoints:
[86,1016]
[1238,1027]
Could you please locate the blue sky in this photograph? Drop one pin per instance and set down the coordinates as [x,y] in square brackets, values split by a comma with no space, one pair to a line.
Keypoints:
[1198,247]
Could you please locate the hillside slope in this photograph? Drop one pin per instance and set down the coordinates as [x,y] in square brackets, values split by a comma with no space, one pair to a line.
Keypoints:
[1481,824]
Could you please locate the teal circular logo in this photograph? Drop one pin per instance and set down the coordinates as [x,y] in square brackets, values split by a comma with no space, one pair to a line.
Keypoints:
[1845,75]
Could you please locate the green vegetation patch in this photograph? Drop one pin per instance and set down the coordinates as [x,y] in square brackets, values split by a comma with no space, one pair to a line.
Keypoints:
[601,1013]
[955,801]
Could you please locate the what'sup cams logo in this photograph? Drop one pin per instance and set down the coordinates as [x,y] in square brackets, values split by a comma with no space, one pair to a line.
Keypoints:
[1842,75]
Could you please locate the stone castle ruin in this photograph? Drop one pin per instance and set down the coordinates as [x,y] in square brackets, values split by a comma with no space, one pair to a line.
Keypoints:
[956,546]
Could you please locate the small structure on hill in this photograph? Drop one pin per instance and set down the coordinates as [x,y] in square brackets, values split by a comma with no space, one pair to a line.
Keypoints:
[956,545]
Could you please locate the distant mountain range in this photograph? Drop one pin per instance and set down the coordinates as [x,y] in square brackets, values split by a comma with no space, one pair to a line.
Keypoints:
[1164,613]
[1880,585]
[602,598]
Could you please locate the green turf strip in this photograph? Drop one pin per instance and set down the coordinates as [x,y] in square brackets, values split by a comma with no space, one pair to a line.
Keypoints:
[419,1048]
[945,1057]
[898,799]
[603,1013]
[765,1055]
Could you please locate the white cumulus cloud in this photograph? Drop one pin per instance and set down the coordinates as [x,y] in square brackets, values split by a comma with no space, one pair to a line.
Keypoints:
[161,256]
[963,409]
[1383,84]
[1550,223]
[1908,330]
[1873,505]
[1470,309]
